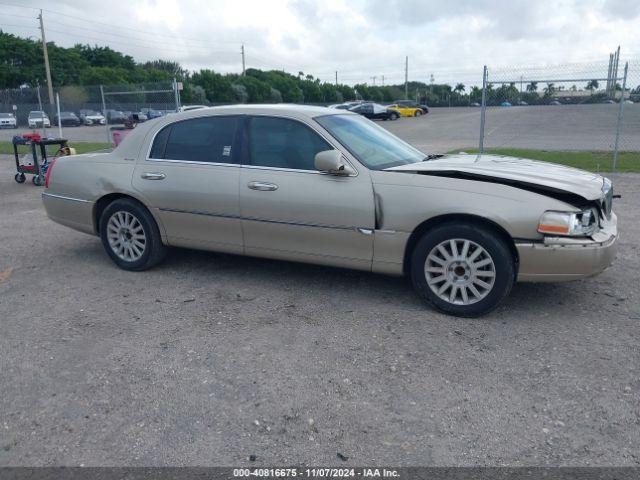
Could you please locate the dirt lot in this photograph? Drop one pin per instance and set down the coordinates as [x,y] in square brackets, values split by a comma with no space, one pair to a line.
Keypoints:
[209,359]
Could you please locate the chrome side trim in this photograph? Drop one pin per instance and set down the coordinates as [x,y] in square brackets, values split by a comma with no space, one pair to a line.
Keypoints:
[193,162]
[256,219]
[62,197]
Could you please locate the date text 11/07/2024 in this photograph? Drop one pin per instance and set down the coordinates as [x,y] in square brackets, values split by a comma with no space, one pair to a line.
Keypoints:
[316,472]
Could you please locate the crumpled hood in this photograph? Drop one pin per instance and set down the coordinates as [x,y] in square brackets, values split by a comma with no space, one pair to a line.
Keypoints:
[512,171]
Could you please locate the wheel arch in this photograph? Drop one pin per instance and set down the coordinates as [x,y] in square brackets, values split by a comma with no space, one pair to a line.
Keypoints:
[422,228]
[107,199]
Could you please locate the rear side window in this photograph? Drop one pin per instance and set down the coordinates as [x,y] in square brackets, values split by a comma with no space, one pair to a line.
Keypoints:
[284,143]
[208,139]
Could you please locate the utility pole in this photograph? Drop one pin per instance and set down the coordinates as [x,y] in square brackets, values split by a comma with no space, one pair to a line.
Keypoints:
[406,78]
[383,80]
[336,78]
[46,59]
[242,51]
[615,73]
[374,80]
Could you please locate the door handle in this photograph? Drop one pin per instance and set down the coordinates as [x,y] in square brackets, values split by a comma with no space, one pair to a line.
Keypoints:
[153,176]
[262,186]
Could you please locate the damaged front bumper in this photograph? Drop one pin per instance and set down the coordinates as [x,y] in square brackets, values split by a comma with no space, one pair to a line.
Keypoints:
[558,259]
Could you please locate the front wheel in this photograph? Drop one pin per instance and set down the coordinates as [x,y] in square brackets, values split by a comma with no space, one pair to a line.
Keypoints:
[131,236]
[417,113]
[462,270]
[20,177]
[394,116]
[37,180]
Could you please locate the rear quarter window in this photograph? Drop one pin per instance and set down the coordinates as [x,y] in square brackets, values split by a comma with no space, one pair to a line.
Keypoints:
[206,139]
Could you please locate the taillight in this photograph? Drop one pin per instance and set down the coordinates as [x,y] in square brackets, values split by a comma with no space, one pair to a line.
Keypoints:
[48,174]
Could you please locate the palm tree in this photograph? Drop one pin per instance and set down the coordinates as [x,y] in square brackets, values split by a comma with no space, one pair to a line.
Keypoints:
[459,88]
[532,87]
[549,89]
[592,85]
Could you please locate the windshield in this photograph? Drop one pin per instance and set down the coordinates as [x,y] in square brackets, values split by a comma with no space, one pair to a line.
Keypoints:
[37,114]
[372,145]
[6,115]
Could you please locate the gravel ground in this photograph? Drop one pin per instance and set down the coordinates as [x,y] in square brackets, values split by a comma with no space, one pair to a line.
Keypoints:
[566,127]
[209,359]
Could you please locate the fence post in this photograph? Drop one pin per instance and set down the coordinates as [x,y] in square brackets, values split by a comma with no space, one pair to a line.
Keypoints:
[44,129]
[176,94]
[104,112]
[59,117]
[483,108]
[620,112]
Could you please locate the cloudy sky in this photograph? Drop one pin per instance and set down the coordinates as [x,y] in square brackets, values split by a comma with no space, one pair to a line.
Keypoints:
[448,39]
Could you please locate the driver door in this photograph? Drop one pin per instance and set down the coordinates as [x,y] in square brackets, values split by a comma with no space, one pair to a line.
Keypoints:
[292,211]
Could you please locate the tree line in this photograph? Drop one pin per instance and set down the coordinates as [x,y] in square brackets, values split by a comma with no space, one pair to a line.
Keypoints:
[83,65]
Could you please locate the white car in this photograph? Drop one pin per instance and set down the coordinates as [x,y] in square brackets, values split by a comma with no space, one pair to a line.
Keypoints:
[186,108]
[37,118]
[91,117]
[8,120]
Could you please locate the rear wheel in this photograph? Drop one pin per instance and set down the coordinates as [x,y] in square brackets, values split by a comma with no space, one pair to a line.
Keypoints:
[131,236]
[463,270]
[20,177]
[37,180]
[395,116]
[417,113]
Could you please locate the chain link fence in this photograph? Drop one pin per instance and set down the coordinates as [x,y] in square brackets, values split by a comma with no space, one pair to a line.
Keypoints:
[588,110]
[97,106]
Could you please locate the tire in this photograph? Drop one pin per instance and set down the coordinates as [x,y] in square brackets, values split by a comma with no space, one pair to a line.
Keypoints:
[417,113]
[395,116]
[431,270]
[37,180]
[20,177]
[131,236]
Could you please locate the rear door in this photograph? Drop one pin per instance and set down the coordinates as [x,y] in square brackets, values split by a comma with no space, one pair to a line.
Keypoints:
[190,178]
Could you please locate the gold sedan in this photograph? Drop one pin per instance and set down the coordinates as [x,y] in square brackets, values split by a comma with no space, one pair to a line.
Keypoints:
[330,187]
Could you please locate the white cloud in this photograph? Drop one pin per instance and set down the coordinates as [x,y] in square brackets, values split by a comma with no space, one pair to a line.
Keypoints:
[358,38]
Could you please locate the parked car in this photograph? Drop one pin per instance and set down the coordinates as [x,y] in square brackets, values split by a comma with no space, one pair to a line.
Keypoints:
[412,104]
[334,188]
[36,118]
[8,120]
[629,102]
[474,104]
[151,113]
[554,102]
[522,103]
[609,101]
[91,117]
[505,104]
[67,119]
[406,111]
[375,111]
[187,108]
[116,117]
[135,117]
[346,105]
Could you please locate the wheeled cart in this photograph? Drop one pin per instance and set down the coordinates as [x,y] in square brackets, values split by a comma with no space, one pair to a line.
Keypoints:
[38,162]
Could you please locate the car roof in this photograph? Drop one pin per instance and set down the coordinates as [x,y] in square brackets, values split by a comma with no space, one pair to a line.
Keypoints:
[130,145]
[290,110]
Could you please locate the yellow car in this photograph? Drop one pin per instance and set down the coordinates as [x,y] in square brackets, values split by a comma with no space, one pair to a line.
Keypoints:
[406,111]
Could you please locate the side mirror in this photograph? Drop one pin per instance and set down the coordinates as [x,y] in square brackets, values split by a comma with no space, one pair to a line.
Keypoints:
[331,161]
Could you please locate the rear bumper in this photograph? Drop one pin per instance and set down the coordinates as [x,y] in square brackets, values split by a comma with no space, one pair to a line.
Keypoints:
[562,259]
[71,212]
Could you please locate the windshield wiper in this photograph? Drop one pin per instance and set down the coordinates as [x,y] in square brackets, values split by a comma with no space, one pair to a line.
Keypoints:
[432,156]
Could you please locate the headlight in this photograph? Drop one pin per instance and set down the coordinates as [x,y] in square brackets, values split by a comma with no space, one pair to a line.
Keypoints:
[568,223]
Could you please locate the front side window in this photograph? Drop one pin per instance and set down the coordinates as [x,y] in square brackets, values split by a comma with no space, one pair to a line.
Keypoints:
[283,143]
[206,139]
[372,145]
